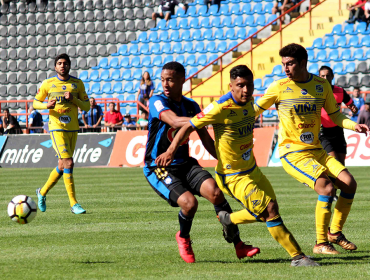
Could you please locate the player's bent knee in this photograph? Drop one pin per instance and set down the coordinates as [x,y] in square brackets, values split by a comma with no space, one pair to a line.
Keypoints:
[188,203]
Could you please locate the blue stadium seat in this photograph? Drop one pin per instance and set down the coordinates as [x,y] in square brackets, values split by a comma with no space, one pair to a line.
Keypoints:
[117,88]
[208,35]
[177,48]
[227,22]
[114,63]
[233,44]
[166,48]
[134,50]
[211,47]
[125,63]
[258,9]
[268,8]
[214,11]
[346,55]
[338,69]
[337,30]
[192,11]
[158,88]
[107,88]
[235,9]
[329,42]
[222,47]
[192,71]
[183,24]
[133,111]
[341,42]
[153,37]
[252,31]
[334,56]
[359,55]
[157,74]
[247,9]
[190,60]
[135,62]
[258,84]
[95,89]
[230,34]
[188,47]
[311,55]
[277,70]
[194,23]
[267,114]
[84,76]
[197,35]
[102,63]
[181,13]
[144,49]
[164,37]
[322,56]
[45,118]
[202,60]
[175,36]
[199,47]
[180,59]
[350,67]
[361,28]
[242,33]
[137,86]
[105,76]
[314,68]
[268,82]
[94,76]
[146,62]
[216,22]
[204,23]
[162,25]
[317,43]
[224,10]
[131,97]
[123,110]
[129,87]
[87,87]
[167,59]
[367,54]
[126,75]
[172,24]
[271,18]
[116,75]
[142,38]
[212,58]
[348,29]
[22,118]
[239,21]
[202,12]
[261,20]
[354,41]
[219,34]
[365,41]
[249,21]
[186,36]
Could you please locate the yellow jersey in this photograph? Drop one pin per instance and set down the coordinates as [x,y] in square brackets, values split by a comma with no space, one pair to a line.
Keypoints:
[233,125]
[64,117]
[299,109]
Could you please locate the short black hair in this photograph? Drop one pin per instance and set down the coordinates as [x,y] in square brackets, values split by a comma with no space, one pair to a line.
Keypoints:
[324,67]
[175,66]
[112,103]
[6,110]
[62,56]
[294,50]
[356,88]
[240,71]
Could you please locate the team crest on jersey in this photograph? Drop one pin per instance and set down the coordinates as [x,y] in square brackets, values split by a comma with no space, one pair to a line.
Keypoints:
[319,88]
[256,203]
[228,166]
[247,155]
[304,91]
[232,114]
[74,86]
[168,180]
[53,86]
[314,167]
[245,112]
[64,151]
[288,89]
[64,87]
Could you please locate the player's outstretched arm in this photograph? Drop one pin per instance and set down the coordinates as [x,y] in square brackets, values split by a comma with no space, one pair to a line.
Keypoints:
[173,120]
[362,128]
[166,158]
[207,141]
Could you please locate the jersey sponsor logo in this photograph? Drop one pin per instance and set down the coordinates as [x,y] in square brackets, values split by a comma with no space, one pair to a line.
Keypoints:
[227,106]
[304,91]
[63,111]
[158,105]
[64,87]
[200,115]
[168,180]
[245,146]
[307,137]
[307,125]
[319,81]
[232,114]
[74,86]
[288,89]
[86,97]
[247,155]
[245,111]
[319,88]
[208,108]
[65,119]
[245,130]
[304,108]
[283,83]
[171,133]
[256,203]
[53,86]
[60,99]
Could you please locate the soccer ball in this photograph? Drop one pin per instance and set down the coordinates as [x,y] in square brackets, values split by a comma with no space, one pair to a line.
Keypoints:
[22,209]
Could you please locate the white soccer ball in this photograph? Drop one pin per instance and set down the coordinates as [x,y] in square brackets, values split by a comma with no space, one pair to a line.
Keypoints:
[22,209]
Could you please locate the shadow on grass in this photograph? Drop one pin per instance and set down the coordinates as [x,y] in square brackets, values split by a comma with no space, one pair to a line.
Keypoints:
[344,258]
[96,262]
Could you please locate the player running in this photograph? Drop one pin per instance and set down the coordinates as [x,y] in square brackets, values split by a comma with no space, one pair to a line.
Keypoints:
[184,178]
[65,94]
[299,99]
[237,174]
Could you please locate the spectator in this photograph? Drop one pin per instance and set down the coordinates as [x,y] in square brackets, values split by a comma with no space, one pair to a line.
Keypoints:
[93,118]
[146,90]
[282,6]
[129,124]
[1,126]
[35,120]
[356,11]
[79,117]
[11,125]
[358,101]
[167,8]
[142,123]
[364,116]
[212,2]
[367,11]
[113,119]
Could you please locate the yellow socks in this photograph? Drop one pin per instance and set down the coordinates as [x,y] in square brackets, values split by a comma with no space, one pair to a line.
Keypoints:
[70,185]
[323,215]
[282,235]
[54,177]
[341,211]
[243,217]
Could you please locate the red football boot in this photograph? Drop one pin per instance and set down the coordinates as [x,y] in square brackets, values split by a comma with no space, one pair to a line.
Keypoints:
[243,250]
[185,250]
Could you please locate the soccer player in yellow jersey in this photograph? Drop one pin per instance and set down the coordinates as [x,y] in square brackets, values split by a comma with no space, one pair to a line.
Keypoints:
[299,99]
[237,174]
[65,94]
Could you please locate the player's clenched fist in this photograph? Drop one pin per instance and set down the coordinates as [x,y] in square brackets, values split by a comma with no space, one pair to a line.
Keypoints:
[68,95]
[51,103]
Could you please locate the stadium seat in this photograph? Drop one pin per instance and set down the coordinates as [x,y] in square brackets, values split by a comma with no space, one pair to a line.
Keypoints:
[337,30]
[208,35]
[175,36]
[136,75]
[349,29]
[314,68]
[322,56]
[354,42]
[359,55]
[329,42]
[183,24]
[261,20]
[214,11]
[242,34]
[131,97]
[258,9]
[219,34]
[172,24]
[164,37]
[143,38]
[95,89]
[129,87]
[144,49]
[317,43]
[205,23]
[153,37]
[346,55]
[235,9]
[167,59]
[362,68]
[247,9]
[107,88]
[222,47]
[180,59]
[190,60]
[188,47]
[249,21]
[126,75]
[84,76]
[365,81]
[211,47]
[197,35]
[230,34]
[216,22]
[239,22]
[194,23]
[268,8]
[277,70]
[365,41]
[338,69]
[341,42]
[258,84]
[117,88]
[166,48]
[156,49]
[334,56]
[177,48]
[361,28]
[354,81]
[135,62]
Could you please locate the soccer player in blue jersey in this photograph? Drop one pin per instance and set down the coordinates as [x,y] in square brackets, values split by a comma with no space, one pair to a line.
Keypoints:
[184,178]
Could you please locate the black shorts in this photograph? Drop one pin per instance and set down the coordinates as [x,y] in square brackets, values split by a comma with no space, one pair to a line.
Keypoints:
[172,181]
[333,140]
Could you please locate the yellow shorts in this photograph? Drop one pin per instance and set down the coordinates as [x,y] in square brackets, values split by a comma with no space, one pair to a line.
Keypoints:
[253,190]
[307,166]
[64,143]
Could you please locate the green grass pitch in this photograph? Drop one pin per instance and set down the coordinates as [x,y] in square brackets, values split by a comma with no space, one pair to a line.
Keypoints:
[129,232]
